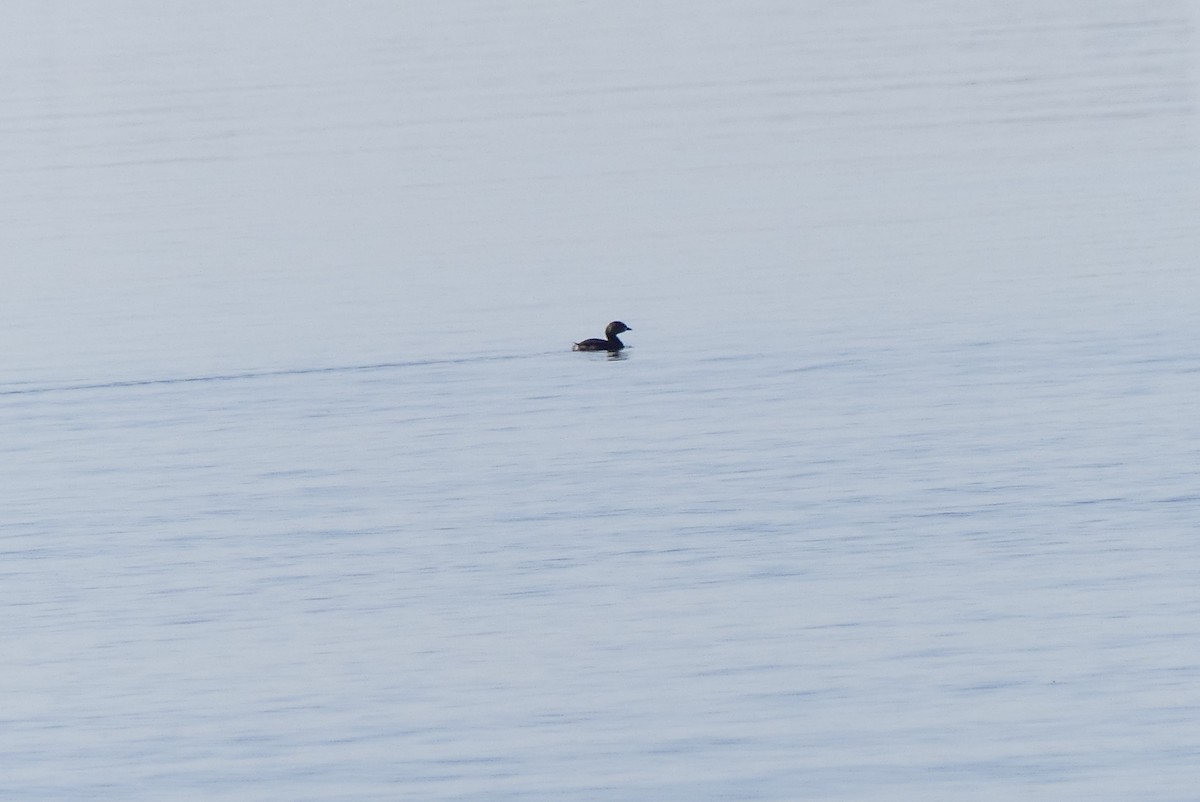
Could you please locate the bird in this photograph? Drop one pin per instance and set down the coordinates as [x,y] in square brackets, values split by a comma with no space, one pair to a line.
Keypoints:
[611,342]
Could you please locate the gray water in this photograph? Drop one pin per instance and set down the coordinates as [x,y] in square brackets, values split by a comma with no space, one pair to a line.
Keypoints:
[894,495]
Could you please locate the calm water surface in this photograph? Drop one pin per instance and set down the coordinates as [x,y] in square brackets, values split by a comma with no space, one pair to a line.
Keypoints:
[894,496]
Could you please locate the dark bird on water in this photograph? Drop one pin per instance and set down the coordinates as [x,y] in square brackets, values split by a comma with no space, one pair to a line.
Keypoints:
[610,343]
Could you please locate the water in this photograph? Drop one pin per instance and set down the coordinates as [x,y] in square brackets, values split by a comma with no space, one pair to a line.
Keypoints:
[893,496]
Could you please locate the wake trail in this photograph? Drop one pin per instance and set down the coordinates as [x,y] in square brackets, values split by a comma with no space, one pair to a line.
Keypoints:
[255,374]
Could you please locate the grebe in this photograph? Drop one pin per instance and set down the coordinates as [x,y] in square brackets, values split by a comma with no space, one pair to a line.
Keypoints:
[612,343]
